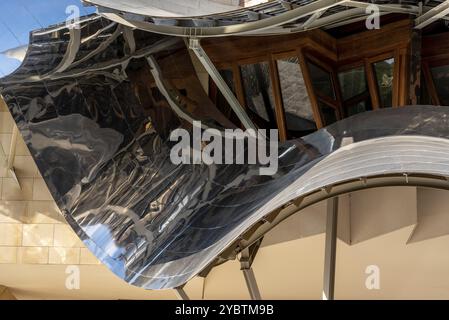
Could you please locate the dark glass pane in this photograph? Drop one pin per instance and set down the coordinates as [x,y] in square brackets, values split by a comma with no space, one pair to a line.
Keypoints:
[321,80]
[328,113]
[228,77]
[425,98]
[384,71]
[352,82]
[221,102]
[360,107]
[441,79]
[258,89]
[298,109]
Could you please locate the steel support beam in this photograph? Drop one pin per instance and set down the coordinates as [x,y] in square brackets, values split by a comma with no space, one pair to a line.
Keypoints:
[330,249]
[434,14]
[316,22]
[246,260]
[251,283]
[181,294]
[312,19]
[195,46]
[390,8]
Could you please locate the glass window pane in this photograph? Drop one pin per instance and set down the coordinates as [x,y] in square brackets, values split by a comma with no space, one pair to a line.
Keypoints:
[258,89]
[360,107]
[228,77]
[425,98]
[297,106]
[441,79]
[321,80]
[384,71]
[352,82]
[328,113]
[221,102]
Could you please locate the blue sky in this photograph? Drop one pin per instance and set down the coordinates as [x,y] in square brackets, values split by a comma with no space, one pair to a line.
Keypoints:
[19,17]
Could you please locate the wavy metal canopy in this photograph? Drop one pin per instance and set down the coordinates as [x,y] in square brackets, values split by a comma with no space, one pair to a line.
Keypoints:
[96,118]
[270,17]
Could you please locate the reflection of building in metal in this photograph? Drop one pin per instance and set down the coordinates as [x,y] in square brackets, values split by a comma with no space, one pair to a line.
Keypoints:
[97,111]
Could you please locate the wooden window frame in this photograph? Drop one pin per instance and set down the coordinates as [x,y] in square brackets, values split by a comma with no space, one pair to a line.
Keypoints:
[332,55]
[319,60]
[372,80]
[279,108]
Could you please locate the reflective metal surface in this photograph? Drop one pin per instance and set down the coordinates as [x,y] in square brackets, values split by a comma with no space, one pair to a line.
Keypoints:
[269,17]
[98,128]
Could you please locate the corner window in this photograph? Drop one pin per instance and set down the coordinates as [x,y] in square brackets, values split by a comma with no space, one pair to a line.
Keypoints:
[384,71]
[324,88]
[297,107]
[354,91]
[321,81]
[258,90]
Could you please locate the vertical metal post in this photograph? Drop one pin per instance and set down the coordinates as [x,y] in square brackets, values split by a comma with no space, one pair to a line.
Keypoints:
[330,249]
[251,283]
[246,261]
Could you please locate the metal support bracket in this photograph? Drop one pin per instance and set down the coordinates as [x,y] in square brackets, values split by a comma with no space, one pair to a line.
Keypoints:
[330,249]
[195,46]
[246,260]
[181,293]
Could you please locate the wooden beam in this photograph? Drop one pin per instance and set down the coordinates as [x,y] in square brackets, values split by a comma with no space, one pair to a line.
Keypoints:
[279,105]
[374,42]
[310,91]
[435,46]
[225,51]
[372,85]
[414,68]
[396,78]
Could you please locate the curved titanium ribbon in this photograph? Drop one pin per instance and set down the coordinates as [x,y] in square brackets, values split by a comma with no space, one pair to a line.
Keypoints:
[98,132]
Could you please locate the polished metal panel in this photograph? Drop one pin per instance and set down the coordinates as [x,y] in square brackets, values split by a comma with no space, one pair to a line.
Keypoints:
[98,131]
[270,17]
